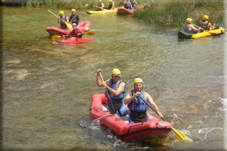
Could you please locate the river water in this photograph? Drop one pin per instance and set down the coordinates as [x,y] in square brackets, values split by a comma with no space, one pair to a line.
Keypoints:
[47,87]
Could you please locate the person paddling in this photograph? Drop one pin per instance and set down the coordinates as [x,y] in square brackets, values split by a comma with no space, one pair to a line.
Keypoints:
[137,101]
[189,27]
[111,5]
[74,17]
[115,90]
[127,4]
[62,20]
[206,24]
[100,6]
[75,32]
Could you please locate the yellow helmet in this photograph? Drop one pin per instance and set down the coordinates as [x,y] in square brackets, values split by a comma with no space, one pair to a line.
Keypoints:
[137,80]
[61,12]
[73,10]
[116,71]
[205,17]
[188,20]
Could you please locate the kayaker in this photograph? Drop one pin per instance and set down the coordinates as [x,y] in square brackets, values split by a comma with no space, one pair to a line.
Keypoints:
[134,4]
[206,24]
[100,6]
[127,4]
[191,28]
[62,19]
[115,91]
[74,17]
[137,101]
[111,4]
[75,32]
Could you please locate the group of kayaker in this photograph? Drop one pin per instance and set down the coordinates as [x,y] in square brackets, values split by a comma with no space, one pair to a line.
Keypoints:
[137,100]
[101,5]
[72,21]
[205,24]
[128,4]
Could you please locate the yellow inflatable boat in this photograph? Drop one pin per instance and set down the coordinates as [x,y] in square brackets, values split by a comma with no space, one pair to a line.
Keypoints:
[104,11]
[207,33]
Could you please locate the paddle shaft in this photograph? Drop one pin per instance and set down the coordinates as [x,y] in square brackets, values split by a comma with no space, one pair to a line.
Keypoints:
[150,107]
[108,94]
[53,13]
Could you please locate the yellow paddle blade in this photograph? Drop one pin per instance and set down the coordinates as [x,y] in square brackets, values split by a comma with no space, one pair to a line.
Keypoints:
[181,136]
[69,25]
[90,33]
[55,37]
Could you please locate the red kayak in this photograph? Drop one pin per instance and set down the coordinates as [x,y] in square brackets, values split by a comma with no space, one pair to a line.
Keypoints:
[154,128]
[84,26]
[74,40]
[124,11]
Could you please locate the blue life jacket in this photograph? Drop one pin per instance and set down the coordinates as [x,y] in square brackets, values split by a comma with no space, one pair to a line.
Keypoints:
[114,86]
[74,19]
[138,104]
[62,22]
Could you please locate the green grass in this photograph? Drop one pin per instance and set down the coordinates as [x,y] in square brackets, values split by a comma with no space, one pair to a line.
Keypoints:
[173,13]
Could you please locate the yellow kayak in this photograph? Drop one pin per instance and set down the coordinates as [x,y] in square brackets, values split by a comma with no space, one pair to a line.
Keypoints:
[207,33]
[104,11]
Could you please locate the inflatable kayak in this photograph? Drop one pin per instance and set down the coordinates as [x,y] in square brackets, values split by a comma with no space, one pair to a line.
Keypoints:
[74,40]
[154,128]
[105,11]
[124,11]
[184,35]
[84,26]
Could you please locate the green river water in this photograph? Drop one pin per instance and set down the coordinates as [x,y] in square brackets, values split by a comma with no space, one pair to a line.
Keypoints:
[47,87]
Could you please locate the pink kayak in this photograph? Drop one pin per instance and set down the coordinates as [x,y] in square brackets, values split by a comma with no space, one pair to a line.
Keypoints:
[74,40]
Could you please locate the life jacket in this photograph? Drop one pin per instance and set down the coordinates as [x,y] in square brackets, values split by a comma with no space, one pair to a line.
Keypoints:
[115,85]
[138,105]
[186,29]
[205,26]
[74,19]
[62,22]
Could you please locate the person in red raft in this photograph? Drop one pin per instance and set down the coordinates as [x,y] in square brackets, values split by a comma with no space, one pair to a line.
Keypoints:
[75,32]
[138,101]
[115,91]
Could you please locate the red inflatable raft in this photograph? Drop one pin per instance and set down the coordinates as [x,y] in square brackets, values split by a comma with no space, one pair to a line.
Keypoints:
[74,40]
[84,26]
[154,128]
[124,11]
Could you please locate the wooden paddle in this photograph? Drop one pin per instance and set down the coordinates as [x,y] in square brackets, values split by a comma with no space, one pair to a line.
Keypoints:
[67,24]
[180,135]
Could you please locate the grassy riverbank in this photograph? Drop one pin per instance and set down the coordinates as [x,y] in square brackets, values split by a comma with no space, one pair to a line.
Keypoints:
[173,13]
[163,13]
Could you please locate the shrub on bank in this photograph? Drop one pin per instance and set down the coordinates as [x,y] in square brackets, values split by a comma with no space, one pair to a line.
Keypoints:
[173,13]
